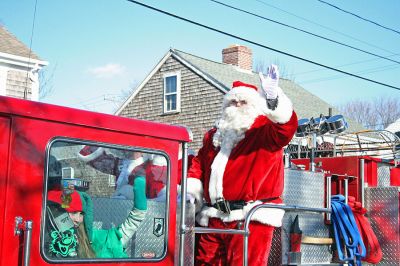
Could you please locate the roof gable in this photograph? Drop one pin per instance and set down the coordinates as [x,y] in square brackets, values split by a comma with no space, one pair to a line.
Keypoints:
[9,44]
[222,75]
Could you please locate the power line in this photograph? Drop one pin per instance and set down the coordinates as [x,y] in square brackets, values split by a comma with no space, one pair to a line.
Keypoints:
[366,71]
[349,64]
[30,52]
[261,45]
[325,27]
[365,19]
[304,31]
[335,31]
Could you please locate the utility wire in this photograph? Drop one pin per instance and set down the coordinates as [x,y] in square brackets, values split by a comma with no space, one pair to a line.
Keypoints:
[30,53]
[349,64]
[261,45]
[366,71]
[325,27]
[365,19]
[304,31]
[335,31]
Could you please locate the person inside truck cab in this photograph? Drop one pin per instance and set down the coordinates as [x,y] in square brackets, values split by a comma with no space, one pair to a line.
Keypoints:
[126,166]
[239,166]
[70,223]
[117,163]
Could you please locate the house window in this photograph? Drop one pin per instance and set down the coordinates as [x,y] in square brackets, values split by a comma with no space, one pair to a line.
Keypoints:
[172,92]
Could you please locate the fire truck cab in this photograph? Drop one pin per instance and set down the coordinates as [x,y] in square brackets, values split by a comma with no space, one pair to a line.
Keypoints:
[40,148]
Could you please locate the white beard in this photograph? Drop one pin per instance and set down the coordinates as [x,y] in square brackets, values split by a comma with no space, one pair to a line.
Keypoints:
[233,124]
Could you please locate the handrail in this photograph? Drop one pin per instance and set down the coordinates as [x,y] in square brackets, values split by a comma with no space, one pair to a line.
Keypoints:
[27,242]
[379,143]
[245,231]
[273,206]
[182,224]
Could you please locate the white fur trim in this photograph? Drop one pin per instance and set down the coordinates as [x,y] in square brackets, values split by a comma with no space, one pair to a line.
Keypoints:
[159,160]
[270,216]
[92,156]
[242,93]
[127,168]
[195,188]
[217,174]
[283,111]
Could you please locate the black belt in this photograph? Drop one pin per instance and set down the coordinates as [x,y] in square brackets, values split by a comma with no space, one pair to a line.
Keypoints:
[227,206]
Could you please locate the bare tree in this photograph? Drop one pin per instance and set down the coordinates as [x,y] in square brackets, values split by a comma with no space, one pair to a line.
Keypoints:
[387,109]
[46,82]
[126,93]
[376,114]
[262,66]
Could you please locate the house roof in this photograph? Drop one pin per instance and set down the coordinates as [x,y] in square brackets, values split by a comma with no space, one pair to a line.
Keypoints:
[306,104]
[9,44]
[222,75]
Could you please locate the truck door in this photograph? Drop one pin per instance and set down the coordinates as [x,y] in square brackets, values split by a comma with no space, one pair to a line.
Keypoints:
[4,146]
[100,180]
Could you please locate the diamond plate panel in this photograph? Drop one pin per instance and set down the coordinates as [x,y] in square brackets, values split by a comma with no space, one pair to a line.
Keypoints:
[145,240]
[305,189]
[102,207]
[151,234]
[275,254]
[150,237]
[382,204]
[189,238]
[383,175]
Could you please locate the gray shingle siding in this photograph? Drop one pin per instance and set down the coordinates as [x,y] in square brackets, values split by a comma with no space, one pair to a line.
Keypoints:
[200,102]
[16,84]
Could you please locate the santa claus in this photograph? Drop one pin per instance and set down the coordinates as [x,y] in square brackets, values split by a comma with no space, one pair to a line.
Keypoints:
[239,166]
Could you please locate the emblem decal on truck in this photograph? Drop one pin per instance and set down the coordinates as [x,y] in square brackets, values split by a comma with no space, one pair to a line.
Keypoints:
[158,227]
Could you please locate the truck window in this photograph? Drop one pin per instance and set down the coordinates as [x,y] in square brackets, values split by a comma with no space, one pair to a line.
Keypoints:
[104,202]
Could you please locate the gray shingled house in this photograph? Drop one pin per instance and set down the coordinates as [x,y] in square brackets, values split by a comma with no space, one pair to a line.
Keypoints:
[19,68]
[188,90]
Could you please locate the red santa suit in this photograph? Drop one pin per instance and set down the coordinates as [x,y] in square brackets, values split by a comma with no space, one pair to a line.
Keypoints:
[127,169]
[155,171]
[250,170]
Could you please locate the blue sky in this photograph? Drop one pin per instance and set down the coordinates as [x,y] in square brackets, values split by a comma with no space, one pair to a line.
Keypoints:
[98,49]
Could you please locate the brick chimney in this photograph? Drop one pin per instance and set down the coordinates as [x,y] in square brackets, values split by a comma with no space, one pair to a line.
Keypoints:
[238,55]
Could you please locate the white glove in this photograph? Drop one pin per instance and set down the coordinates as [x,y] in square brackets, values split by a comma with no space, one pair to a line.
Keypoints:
[270,83]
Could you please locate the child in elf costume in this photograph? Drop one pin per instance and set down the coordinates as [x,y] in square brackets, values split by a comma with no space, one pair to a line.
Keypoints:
[70,218]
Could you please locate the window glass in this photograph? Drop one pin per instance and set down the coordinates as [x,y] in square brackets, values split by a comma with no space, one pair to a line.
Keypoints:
[171,102]
[171,92]
[170,86]
[104,202]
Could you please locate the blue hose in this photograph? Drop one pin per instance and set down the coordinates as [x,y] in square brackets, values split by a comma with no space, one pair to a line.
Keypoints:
[349,243]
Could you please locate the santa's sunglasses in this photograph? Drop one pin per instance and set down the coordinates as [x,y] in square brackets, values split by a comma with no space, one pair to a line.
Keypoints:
[237,103]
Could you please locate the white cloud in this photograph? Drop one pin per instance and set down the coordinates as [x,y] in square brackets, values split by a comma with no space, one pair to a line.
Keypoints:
[107,71]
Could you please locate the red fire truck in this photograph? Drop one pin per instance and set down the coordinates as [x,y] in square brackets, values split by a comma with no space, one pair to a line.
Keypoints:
[41,150]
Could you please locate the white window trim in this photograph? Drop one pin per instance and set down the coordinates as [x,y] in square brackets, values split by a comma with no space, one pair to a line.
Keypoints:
[178,92]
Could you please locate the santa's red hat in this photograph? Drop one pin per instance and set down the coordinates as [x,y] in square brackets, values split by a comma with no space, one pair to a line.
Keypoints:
[239,84]
[74,206]
[89,153]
